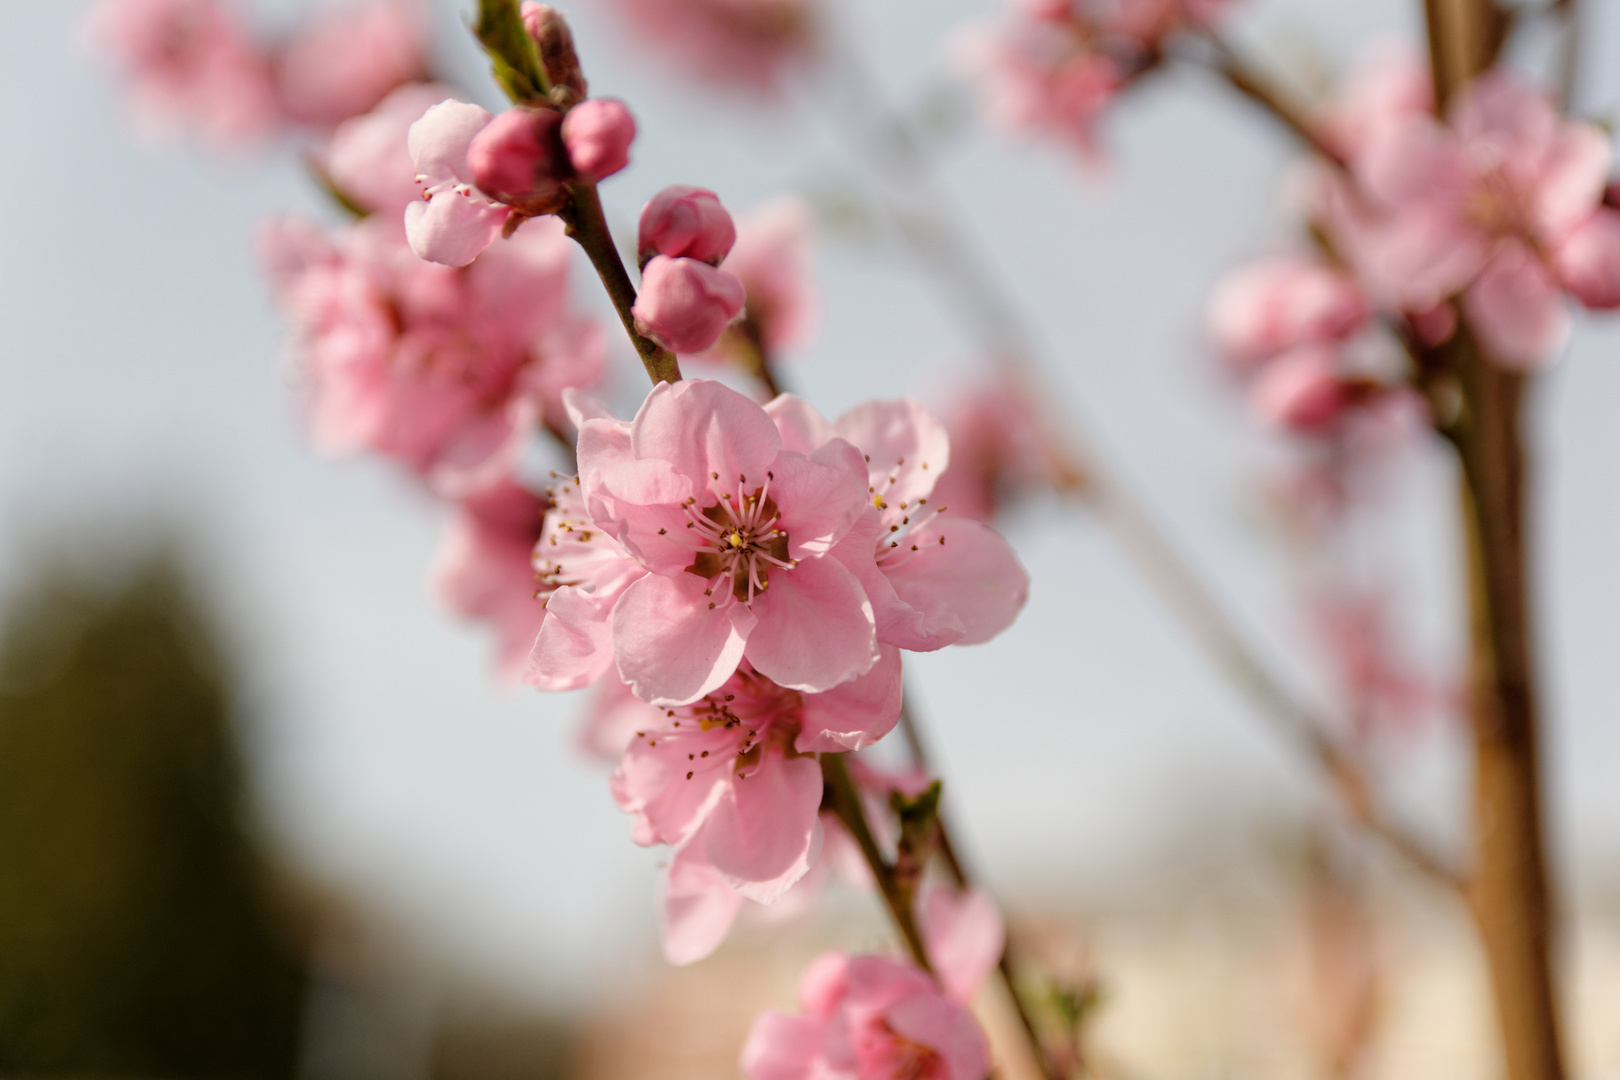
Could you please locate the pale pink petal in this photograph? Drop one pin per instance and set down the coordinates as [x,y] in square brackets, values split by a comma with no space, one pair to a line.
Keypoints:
[438,141]
[965,935]
[671,646]
[1572,178]
[1414,161]
[819,498]
[670,794]
[947,1029]
[815,627]
[1518,310]
[802,428]
[452,228]
[1588,260]
[574,647]
[611,721]
[781,1047]
[957,566]
[824,984]
[856,714]
[763,832]
[1300,390]
[708,432]
[697,908]
[906,448]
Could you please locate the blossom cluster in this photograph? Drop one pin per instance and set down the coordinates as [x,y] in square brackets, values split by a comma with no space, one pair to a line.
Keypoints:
[196,67]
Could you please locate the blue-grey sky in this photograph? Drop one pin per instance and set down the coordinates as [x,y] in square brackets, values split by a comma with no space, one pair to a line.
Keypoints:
[142,367]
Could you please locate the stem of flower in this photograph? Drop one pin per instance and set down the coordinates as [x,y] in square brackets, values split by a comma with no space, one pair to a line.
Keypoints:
[1260,90]
[953,863]
[583,216]
[846,803]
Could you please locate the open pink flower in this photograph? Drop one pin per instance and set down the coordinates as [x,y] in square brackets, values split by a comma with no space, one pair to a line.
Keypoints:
[933,580]
[191,67]
[867,1018]
[453,220]
[747,44]
[732,781]
[1473,206]
[483,567]
[729,537]
[346,59]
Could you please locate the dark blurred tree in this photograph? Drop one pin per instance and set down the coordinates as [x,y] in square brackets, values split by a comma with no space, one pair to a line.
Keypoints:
[140,932]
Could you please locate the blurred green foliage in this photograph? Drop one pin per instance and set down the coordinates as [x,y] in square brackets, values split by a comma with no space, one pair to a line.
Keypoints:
[140,932]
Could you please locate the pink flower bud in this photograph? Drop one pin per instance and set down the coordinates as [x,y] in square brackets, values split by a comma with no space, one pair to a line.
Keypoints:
[519,159]
[1300,390]
[686,222]
[598,134]
[1588,261]
[550,31]
[686,304]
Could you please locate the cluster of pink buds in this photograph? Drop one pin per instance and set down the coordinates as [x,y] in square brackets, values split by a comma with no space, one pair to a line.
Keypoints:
[193,66]
[1052,67]
[686,301]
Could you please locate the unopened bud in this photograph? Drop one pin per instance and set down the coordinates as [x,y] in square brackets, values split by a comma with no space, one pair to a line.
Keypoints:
[598,134]
[686,304]
[685,222]
[550,31]
[519,158]
[1301,391]
[1588,261]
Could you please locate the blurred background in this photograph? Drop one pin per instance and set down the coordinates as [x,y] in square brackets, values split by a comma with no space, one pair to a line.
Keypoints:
[264,809]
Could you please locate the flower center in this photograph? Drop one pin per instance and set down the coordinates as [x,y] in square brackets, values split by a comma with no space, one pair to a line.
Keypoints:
[739,541]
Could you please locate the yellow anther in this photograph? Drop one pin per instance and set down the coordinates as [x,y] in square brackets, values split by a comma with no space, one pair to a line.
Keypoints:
[735,539]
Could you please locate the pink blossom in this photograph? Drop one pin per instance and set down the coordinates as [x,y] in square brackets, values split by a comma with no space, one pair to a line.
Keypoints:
[772,260]
[815,553]
[452,221]
[1588,261]
[483,568]
[685,304]
[1274,304]
[346,59]
[598,134]
[999,448]
[1469,207]
[682,221]
[725,543]
[964,935]
[368,159]
[935,579]
[191,67]
[519,159]
[731,781]
[446,370]
[867,1018]
[1301,390]
[746,44]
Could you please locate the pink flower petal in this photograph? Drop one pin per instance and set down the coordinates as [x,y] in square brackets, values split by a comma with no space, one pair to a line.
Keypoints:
[965,935]
[815,627]
[708,432]
[819,498]
[1572,178]
[452,228]
[856,714]
[962,568]
[764,830]
[906,449]
[438,141]
[802,428]
[697,908]
[781,1047]
[1518,310]
[947,1029]
[671,647]
[574,647]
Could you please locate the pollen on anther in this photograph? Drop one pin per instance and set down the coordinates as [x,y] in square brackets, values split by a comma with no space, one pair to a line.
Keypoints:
[913,547]
[705,753]
[661,532]
[770,476]
[942,540]
[689,776]
[711,605]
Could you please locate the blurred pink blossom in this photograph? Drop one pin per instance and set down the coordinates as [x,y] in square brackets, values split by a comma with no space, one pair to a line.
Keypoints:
[1390,83]
[867,1018]
[753,45]
[191,66]
[1274,304]
[368,158]
[483,567]
[964,935]
[999,448]
[772,260]
[347,58]
[1301,390]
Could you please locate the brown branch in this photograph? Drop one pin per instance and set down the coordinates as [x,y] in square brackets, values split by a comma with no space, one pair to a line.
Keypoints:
[1260,90]
[846,803]
[583,216]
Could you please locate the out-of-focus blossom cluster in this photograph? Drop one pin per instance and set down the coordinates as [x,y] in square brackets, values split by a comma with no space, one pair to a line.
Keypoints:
[1052,67]
[751,45]
[197,67]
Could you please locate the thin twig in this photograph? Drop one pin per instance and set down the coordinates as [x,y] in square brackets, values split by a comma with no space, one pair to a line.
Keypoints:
[1260,90]
[846,803]
[583,216]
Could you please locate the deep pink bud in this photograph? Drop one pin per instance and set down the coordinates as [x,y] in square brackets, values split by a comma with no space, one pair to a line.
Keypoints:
[519,159]
[1588,261]
[686,222]
[686,304]
[598,134]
